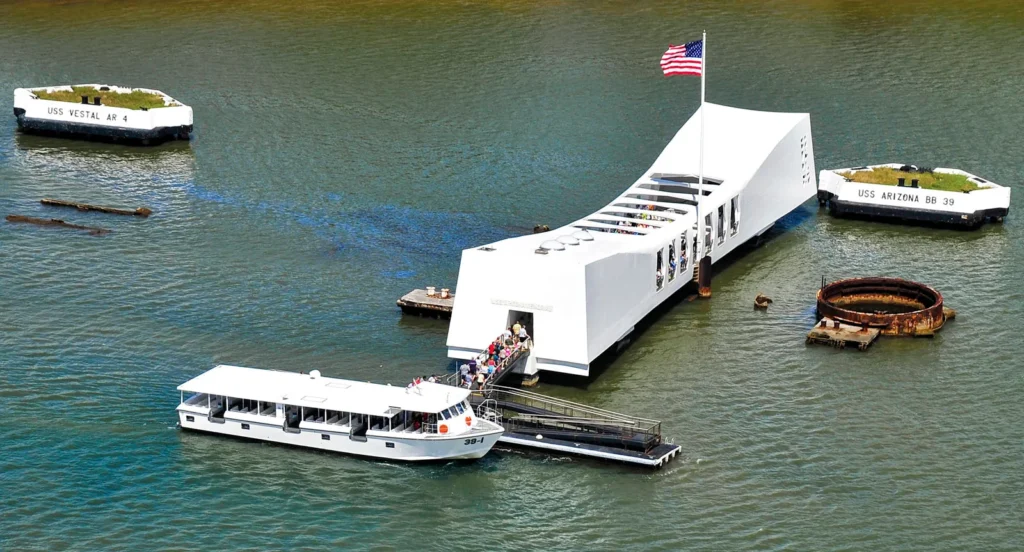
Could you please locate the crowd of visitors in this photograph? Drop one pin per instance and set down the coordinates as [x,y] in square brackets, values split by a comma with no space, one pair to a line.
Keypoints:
[475,373]
[639,216]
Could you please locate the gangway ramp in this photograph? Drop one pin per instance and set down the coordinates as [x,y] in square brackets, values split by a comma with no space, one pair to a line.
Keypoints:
[508,365]
[536,421]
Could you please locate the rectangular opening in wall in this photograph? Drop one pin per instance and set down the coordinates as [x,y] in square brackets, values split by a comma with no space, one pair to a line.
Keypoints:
[707,234]
[524,320]
[389,445]
[734,215]
[659,272]
[190,418]
[325,437]
[672,261]
[245,426]
[721,224]
[684,252]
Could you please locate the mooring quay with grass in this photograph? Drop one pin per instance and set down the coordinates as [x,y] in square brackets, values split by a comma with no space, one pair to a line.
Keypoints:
[913,194]
[102,112]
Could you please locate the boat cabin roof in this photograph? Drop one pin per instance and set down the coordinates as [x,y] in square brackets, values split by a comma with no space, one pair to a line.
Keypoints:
[321,392]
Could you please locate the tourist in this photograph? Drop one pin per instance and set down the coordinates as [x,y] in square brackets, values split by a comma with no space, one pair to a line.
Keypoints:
[464,370]
[480,377]
[432,379]
[467,379]
[507,334]
[515,329]
[523,335]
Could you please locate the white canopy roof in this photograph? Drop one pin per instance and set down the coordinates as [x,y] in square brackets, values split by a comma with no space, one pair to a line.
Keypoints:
[736,144]
[320,392]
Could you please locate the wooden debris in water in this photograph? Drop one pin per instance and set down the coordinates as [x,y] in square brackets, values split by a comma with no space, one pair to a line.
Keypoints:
[56,222]
[839,335]
[762,301]
[140,212]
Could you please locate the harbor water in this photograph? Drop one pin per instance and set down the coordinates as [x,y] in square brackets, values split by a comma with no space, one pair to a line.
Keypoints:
[344,153]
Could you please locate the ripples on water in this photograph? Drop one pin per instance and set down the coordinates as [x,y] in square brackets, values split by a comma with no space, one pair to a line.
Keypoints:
[344,154]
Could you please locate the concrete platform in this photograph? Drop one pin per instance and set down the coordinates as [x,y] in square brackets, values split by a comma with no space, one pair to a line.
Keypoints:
[837,334]
[419,303]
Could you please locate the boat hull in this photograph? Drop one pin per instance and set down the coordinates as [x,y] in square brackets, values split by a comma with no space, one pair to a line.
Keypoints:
[383,445]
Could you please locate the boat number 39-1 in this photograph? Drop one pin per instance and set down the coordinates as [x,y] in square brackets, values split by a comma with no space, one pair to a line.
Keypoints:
[474,441]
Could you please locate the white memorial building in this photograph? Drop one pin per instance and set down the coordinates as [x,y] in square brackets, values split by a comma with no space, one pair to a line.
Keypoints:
[581,288]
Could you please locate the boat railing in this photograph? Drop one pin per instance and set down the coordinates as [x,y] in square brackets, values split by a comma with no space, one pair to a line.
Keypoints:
[488,410]
[199,399]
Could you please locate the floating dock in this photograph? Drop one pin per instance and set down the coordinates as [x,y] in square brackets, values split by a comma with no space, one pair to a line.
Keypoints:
[836,334]
[427,302]
[551,425]
[548,424]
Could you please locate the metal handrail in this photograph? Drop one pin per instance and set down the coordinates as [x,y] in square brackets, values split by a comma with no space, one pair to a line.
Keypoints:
[454,379]
[511,391]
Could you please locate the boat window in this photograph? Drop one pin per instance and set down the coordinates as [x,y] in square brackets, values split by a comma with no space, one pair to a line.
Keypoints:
[446,414]
[459,406]
[242,406]
[267,408]
[197,399]
[466,404]
[317,415]
[335,417]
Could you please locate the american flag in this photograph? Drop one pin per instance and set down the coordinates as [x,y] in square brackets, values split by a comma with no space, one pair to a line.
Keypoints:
[684,60]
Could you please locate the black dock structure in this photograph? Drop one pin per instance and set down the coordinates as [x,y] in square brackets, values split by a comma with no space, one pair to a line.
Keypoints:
[536,421]
[552,425]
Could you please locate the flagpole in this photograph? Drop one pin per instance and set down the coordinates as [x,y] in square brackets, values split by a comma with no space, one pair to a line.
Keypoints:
[700,177]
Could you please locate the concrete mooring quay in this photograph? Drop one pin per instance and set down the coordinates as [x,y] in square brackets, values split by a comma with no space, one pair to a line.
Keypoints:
[856,311]
[428,302]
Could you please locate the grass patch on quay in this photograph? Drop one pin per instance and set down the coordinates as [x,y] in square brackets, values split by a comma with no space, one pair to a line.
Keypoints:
[927,180]
[136,99]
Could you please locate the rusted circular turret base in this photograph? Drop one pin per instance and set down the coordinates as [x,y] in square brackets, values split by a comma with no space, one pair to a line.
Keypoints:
[893,305]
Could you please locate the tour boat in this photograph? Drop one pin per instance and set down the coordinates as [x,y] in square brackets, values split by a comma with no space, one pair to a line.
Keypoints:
[580,289]
[427,421]
[81,113]
[907,201]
